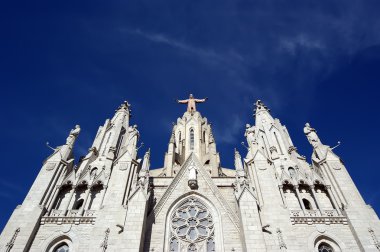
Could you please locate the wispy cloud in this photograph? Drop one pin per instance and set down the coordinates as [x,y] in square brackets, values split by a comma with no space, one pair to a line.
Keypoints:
[290,44]
[206,54]
[231,133]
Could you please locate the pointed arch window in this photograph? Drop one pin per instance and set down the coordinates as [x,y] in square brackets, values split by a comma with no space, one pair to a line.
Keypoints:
[62,248]
[192,227]
[324,247]
[191,139]
[278,143]
[307,204]
[292,172]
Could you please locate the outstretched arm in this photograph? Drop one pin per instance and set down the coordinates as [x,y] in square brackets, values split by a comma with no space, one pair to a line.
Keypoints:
[201,100]
[182,101]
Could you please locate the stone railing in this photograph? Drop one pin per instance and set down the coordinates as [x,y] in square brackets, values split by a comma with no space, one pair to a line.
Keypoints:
[89,213]
[314,217]
[72,213]
[55,212]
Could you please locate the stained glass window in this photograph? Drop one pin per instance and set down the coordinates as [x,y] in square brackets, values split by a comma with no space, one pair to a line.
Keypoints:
[324,247]
[192,227]
[62,248]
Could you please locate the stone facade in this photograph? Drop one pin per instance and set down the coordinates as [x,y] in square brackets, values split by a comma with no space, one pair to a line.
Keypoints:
[272,201]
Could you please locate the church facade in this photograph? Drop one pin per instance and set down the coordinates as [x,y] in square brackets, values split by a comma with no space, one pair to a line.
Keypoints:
[273,199]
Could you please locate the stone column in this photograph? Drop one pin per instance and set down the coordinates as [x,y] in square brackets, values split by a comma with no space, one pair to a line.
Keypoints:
[81,211]
[54,197]
[299,199]
[282,195]
[331,196]
[102,197]
[316,199]
[68,202]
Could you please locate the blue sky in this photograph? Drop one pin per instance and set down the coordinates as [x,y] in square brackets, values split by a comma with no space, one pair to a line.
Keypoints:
[64,63]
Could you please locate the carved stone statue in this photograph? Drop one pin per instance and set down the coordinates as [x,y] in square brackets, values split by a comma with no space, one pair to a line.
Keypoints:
[191,103]
[311,135]
[250,135]
[239,165]
[73,135]
[144,172]
[133,135]
[192,177]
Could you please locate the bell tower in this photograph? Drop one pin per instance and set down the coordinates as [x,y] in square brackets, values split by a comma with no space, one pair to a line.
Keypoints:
[192,134]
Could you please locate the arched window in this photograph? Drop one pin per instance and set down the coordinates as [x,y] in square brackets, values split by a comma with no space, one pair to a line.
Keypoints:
[278,143]
[292,172]
[192,227]
[63,247]
[94,172]
[78,204]
[191,139]
[307,204]
[324,247]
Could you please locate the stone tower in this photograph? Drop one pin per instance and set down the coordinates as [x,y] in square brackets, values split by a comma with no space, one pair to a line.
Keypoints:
[273,199]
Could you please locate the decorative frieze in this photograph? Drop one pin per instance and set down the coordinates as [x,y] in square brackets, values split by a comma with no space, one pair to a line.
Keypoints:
[10,244]
[68,220]
[104,244]
[281,240]
[374,238]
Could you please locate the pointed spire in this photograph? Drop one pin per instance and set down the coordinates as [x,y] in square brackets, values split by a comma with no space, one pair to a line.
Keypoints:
[239,165]
[124,106]
[238,162]
[146,161]
[144,172]
[172,137]
[260,106]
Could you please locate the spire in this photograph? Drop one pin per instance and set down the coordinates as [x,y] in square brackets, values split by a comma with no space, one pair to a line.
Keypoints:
[260,106]
[239,165]
[144,171]
[262,115]
[125,106]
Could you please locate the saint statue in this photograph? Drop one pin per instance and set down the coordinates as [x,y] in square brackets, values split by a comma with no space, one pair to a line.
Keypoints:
[133,135]
[73,135]
[192,181]
[191,103]
[250,135]
[311,135]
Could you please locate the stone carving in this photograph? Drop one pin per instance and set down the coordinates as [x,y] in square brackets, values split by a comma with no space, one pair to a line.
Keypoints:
[374,238]
[192,225]
[239,165]
[133,135]
[250,135]
[144,172]
[191,103]
[10,244]
[73,135]
[104,244]
[192,181]
[311,135]
[281,240]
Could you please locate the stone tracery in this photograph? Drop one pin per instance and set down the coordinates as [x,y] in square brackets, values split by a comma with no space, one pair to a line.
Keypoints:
[192,227]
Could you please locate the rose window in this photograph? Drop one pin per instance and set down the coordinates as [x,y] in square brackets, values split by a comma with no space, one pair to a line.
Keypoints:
[192,227]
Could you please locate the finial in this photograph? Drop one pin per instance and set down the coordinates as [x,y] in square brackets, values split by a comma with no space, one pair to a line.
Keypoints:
[259,105]
[124,106]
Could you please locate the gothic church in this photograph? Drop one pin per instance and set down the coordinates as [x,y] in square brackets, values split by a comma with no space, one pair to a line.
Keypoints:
[113,200]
